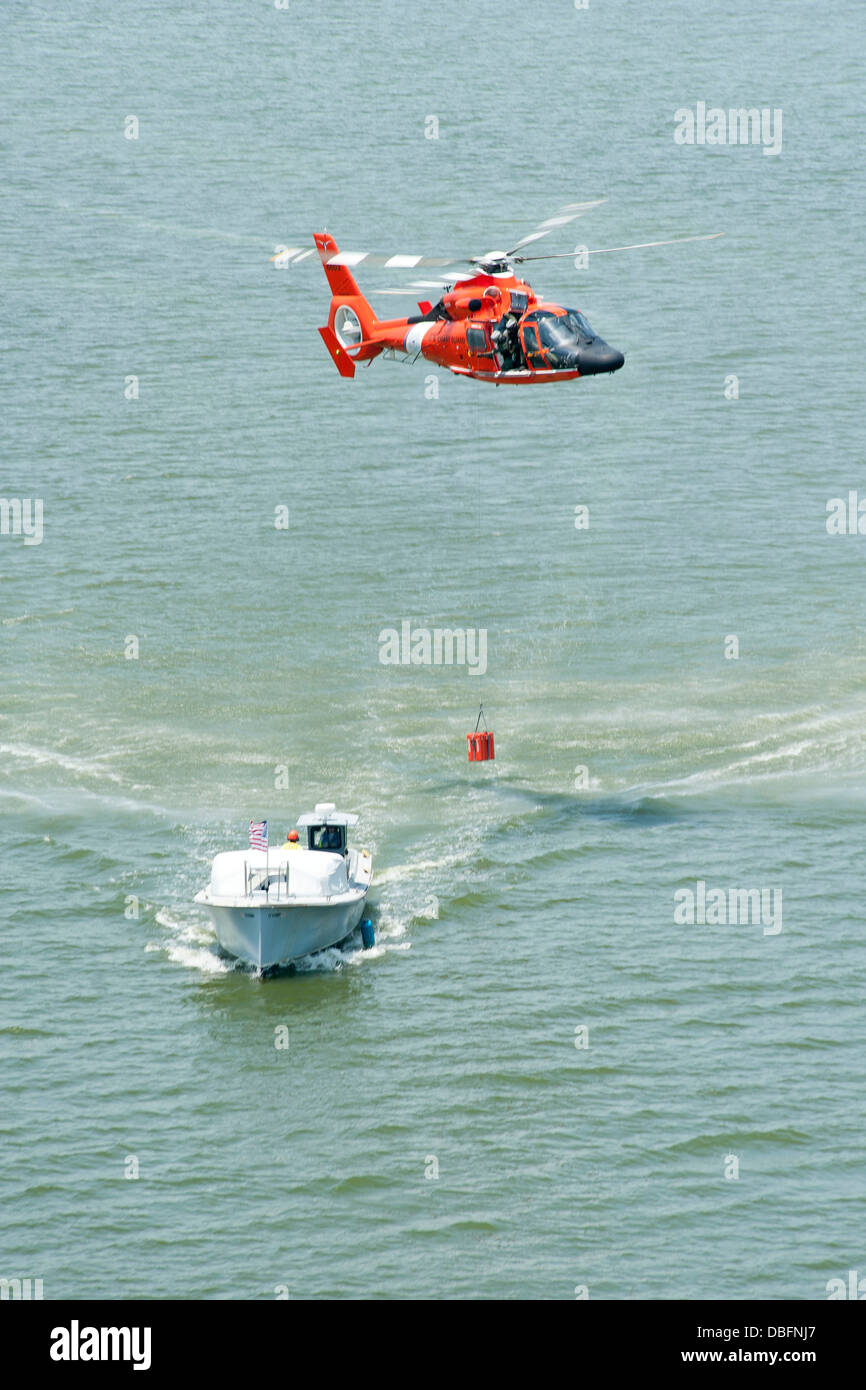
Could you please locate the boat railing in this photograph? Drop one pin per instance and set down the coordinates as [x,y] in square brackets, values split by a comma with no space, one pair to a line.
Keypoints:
[275,883]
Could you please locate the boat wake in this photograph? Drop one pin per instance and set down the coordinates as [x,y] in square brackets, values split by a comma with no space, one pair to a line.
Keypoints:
[26,753]
[808,753]
[192,943]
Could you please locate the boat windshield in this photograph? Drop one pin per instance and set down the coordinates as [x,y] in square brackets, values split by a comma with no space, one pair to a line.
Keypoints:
[328,837]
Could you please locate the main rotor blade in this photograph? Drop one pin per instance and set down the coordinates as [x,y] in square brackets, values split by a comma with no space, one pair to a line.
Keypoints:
[291,255]
[353,258]
[427,284]
[606,250]
[569,213]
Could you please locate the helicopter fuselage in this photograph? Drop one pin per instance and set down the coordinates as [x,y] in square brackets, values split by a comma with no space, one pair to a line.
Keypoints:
[490,326]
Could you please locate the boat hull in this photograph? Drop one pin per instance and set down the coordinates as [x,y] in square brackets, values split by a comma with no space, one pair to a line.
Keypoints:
[271,934]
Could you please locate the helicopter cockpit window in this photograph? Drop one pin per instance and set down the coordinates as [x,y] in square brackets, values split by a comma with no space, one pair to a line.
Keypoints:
[531,345]
[556,331]
[579,323]
[559,341]
[561,336]
[518,301]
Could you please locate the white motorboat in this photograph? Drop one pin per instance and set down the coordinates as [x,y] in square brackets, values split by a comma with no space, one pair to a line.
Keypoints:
[271,907]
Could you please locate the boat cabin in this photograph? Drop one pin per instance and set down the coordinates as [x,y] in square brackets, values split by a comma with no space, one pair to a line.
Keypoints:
[327,828]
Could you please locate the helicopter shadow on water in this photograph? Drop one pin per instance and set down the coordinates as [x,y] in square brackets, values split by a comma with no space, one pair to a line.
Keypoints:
[633,806]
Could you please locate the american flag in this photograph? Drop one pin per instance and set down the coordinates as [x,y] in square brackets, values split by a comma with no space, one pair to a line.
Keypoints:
[258,834]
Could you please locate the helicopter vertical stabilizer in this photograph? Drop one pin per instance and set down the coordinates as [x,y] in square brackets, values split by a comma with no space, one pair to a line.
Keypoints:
[342,361]
[340,277]
[352,321]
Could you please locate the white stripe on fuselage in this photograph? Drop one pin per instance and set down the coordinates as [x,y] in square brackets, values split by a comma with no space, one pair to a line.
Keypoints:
[416,335]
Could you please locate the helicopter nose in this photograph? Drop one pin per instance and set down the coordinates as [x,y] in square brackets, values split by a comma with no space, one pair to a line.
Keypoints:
[599,356]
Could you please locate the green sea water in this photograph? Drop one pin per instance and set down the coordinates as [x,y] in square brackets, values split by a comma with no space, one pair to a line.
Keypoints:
[538,1080]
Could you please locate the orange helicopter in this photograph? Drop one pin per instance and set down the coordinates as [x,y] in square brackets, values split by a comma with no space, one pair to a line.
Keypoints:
[489,323]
